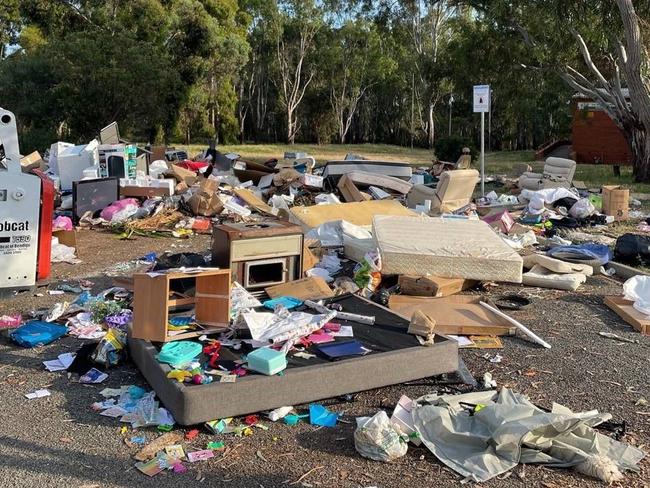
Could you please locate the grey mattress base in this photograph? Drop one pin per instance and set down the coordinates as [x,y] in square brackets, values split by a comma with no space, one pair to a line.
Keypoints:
[193,404]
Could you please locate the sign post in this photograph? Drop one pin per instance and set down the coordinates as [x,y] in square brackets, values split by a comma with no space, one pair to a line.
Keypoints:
[482,105]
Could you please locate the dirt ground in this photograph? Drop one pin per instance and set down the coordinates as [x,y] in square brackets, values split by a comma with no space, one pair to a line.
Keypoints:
[59,441]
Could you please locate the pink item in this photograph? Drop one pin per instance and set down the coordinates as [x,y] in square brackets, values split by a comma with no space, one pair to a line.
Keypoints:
[62,223]
[10,321]
[109,212]
[320,338]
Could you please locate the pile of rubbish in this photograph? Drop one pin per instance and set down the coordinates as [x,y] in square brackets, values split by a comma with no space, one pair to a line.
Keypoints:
[315,266]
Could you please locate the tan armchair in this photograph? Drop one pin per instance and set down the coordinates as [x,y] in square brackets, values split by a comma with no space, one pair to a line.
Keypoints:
[454,190]
[558,173]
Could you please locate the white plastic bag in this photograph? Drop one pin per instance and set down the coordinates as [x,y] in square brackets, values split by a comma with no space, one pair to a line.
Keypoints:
[378,438]
[637,289]
[582,209]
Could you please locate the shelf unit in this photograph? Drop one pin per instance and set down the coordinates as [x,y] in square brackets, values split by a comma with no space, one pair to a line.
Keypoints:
[153,299]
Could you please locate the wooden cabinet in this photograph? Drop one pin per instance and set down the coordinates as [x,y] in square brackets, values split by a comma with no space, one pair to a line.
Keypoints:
[154,298]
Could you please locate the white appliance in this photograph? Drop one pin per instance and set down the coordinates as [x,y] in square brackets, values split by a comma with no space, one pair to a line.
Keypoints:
[74,160]
[20,195]
[53,160]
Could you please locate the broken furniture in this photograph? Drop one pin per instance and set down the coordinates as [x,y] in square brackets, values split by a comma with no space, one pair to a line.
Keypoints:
[456,314]
[154,296]
[260,254]
[558,173]
[305,380]
[454,190]
[449,248]
[387,182]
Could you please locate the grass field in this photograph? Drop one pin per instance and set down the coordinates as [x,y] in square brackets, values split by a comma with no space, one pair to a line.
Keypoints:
[501,162]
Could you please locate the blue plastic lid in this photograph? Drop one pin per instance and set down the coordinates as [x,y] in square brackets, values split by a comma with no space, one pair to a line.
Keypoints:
[179,352]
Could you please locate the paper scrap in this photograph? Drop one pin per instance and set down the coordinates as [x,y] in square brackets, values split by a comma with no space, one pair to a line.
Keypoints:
[150,468]
[37,394]
[344,331]
[200,455]
[93,377]
[228,378]
[62,363]
[175,451]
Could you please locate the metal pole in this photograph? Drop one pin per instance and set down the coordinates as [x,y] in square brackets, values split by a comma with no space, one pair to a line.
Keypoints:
[482,153]
[450,118]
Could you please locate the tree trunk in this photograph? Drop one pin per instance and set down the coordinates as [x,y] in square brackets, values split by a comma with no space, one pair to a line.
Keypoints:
[640,145]
[291,136]
[432,131]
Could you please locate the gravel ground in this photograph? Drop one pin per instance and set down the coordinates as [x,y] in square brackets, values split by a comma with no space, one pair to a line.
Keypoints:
[59,441]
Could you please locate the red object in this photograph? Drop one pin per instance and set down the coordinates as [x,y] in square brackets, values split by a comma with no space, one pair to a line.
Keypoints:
[595,138]
[192,165]
[201,224]
[212,350]
[44,260]
[192,434]
[251,420]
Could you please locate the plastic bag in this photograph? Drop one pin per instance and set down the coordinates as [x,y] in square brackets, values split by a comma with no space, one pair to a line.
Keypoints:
[637,289]
[378,438]
[582,209]
[110,350]
[632,249]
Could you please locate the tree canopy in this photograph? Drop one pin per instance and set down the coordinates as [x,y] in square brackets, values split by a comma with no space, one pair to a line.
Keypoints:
[298,70]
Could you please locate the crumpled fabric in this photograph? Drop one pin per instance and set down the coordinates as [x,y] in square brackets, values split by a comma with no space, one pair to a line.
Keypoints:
[510,430]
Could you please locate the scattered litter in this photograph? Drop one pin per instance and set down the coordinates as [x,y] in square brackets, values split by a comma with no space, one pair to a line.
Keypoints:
[616,337]
[37,394]
[378,438]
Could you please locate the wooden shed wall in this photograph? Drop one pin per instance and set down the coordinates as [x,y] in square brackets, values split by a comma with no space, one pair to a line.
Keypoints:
[596,139]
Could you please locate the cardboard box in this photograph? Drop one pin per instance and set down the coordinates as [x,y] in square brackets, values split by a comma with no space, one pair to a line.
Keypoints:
[32,161]
[67,238]
[616,201]
[433,286]
[312,288]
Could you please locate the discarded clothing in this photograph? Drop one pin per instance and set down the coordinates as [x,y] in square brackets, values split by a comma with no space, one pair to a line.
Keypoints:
[582,253]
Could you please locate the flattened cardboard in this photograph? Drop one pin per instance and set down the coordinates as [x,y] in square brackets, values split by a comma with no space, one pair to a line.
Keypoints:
[183,175]
[456,314]
[312,288]
[624,309]
[145,191]
[433,286]
[357,213]
[254,201]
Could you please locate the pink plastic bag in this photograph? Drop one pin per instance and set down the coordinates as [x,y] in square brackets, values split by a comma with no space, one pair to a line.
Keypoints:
[62,223]
[118,207]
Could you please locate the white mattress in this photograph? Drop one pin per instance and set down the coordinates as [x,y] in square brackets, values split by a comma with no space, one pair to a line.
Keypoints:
[449,248]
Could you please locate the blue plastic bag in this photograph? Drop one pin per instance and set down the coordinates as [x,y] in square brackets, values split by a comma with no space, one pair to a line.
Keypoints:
[36,333]
[582,252]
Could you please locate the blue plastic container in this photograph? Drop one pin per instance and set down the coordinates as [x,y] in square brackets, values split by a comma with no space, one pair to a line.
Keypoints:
[267,361]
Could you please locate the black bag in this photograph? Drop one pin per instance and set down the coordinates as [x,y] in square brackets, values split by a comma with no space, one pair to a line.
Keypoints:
[632,249]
